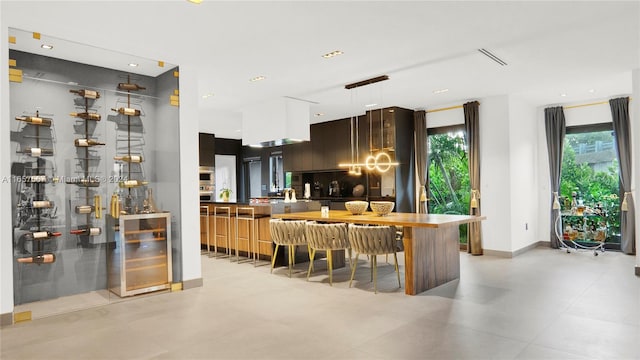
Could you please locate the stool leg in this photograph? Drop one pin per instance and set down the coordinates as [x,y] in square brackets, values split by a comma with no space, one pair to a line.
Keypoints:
[290,258]
[309,252]
[353,269]
[330,260]
[397,270]
[313,254]
[375,274]
[273,259]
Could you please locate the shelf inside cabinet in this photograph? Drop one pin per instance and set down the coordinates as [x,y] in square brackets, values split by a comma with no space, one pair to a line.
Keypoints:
[136,241]
[145,231]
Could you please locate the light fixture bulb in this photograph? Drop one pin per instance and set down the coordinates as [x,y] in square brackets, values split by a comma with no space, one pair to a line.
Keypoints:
[46,46]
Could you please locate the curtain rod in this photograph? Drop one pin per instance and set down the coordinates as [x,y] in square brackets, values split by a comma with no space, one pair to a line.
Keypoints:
[589,104]
[446,108]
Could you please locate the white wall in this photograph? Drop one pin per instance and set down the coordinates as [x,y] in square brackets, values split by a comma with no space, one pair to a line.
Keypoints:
[495,173]
[6,246]
[635,141]
[523,169]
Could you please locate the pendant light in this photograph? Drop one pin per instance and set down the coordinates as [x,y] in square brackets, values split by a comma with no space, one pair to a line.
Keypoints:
[381,161]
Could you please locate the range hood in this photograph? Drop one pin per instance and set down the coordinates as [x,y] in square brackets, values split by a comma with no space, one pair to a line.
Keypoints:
[276,122]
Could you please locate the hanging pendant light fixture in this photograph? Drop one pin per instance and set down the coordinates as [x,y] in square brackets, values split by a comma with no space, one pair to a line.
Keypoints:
[380,161]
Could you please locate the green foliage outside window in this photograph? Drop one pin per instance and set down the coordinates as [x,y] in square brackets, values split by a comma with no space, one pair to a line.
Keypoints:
[449,189]
[592,186]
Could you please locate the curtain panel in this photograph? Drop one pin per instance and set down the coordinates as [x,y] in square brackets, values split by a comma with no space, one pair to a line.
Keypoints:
[422,157]
[555,127]
[620,116]
[472,138]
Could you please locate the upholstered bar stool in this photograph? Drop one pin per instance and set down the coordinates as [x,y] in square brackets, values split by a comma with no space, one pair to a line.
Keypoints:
[224,213]
[374,241]
[327,237]
[246,217]
[289,233]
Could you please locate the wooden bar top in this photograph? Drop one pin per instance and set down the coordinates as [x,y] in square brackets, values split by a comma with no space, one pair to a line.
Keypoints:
[401,219]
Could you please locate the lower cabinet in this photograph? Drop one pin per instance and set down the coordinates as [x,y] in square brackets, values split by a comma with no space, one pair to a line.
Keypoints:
[139,253]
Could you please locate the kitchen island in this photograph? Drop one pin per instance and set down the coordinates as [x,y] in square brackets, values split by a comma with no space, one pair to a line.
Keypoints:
[431,242]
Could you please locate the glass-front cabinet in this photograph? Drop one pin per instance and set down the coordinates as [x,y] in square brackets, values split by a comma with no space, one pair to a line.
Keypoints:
[140,258]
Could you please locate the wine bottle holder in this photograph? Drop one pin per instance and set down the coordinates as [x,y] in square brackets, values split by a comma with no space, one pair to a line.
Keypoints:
[35,239]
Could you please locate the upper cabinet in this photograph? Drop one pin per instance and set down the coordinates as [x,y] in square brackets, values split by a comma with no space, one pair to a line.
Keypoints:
[207,148]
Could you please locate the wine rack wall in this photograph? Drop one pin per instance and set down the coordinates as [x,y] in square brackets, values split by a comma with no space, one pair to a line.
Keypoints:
[77,176]
[35,211]
[86,200]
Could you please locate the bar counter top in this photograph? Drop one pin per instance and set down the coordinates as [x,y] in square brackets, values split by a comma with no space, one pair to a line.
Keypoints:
[400,219]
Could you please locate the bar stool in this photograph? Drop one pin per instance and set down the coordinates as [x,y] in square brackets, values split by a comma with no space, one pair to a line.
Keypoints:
[373,241]
[247,216]
[222,212]
[327,237]
[258,241]
[290,233]
[204,212]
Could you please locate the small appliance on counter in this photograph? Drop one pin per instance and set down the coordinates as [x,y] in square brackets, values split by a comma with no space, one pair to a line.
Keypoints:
[334,189]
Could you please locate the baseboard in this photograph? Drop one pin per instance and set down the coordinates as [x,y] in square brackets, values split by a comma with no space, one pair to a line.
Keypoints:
[512,254]
[193,283]
[7,319]
[637,270]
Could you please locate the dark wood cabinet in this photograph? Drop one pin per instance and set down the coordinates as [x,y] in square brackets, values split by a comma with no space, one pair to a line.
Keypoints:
[207,149]
[297,157]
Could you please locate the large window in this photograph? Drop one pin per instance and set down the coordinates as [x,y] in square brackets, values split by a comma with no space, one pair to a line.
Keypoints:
[449,188]
[589,184]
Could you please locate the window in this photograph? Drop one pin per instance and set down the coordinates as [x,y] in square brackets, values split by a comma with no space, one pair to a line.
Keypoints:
[449,189]
[590,181]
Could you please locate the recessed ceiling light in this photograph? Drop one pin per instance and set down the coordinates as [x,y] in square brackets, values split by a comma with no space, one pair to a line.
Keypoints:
[72,83]
[440,91]
[46,46]
[257,78]
[332,54]
[319,114]
[370,105]
[238,130]
[195,1]
[563,94]
[133,64]
[592,90]
[206,96]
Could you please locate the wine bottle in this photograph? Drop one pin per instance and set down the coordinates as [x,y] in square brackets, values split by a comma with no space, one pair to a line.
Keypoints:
[84,209]
[94,231]
[36,152]
[35,120]
[38,259]
[36,179]
[43,235]
[127,86]
[132,183]
[88,94]
[41,204]
[86,116]
[97,205]
[114,206]
[87,142]
[127,111]
[83,182]
[130,158]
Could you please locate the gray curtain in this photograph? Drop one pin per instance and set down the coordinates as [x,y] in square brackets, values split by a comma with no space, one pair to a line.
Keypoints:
[422,160]
[472,137]
[620,115]
[554,124]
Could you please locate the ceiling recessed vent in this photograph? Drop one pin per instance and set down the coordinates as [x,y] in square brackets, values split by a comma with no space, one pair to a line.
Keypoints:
[491,56]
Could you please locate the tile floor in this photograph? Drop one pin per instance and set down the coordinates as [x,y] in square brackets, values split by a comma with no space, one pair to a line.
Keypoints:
[544,304]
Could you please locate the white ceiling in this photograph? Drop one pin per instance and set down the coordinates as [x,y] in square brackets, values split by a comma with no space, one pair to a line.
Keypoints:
[585,50]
